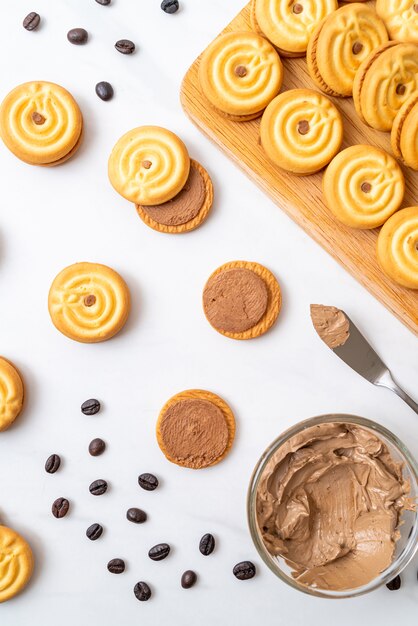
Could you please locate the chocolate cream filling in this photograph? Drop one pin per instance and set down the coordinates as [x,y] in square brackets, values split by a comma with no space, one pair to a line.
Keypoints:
[331,324]
[329,502]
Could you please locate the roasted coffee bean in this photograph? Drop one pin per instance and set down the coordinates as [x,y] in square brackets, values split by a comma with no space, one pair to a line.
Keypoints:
[77,36]
[94,531]
[394,584]
[244,570]
[125,46]
[188,579]
[60,508]
[104,3]
[136,515]
[97,447]
[149,482]
[98,487]
[90,407]
[170,6]
[104,90]
[207,544]
[52,463]
[159,552]
[142,592]
[116,566]
[31,21]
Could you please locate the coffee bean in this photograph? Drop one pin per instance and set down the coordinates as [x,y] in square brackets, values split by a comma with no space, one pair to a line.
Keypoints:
[170,6]
[94,531]
[142,592]
[394,584]
[31,21]
[207,544]
[77,36]
[125,46]
[90,407]
[98,487]
[60,508]
[104,90]
[136,515]
[116,566]
[188,579]
[149,482]
[97,447]
[52,463]
[104,3]
[244,570]
[159,552]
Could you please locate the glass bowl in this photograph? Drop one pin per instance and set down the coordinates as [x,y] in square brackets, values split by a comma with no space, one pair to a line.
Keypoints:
[406,546]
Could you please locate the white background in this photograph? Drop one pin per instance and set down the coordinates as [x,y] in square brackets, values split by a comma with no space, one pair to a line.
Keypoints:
[50,218]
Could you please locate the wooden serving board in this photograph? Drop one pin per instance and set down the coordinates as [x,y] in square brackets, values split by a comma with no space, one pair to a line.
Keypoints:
[301,197]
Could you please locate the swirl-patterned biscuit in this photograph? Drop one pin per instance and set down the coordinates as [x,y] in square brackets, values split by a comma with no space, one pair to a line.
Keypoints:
[239,74]
[397,247]
[301,131]
[384,82]
[340,43]
[41,123]
[400,18]
[404,136]
[89,302]
[149,165]
[289,25]
[363,186]
[16,563]
[11,393]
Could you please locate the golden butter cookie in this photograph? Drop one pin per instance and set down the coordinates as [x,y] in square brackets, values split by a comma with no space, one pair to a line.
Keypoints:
[289,24]
[239,74]
[397,247]
[242,300]
[11,393]
[89,302]
[301,131]
[363,186]
[41,123]
[149,165]
[404,136]
[340,43]
[400,18]
[195,429]
[16,563]
[384,82]
[187,210]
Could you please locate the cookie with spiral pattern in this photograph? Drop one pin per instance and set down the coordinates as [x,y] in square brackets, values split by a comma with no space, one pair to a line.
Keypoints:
[16,563]
[404,134]
[400,18]
[397,247]
[11,393]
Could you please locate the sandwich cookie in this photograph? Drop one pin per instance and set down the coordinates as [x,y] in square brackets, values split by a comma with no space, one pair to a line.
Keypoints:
[11,394]
[195,429]
[290,24]
[404,136]
[397,247]
[384,82]
[340,43]
[41,123]
[242,300]
[187,210]
[301,131]
[363,186]
[400,18]
[16,563]
[149,165]
[240,73]
[89,302]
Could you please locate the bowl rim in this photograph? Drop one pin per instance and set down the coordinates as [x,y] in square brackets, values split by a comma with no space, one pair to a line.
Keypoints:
[397,564]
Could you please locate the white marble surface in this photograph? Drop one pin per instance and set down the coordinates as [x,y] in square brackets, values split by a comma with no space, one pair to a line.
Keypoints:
[50,218]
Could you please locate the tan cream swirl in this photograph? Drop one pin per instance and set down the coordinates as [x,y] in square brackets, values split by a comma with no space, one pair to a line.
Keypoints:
[149,165]
[16,563]
[401,19]
[240,73]
[11,393]
[40,122]
[397,247]
[89,302]
[290,24]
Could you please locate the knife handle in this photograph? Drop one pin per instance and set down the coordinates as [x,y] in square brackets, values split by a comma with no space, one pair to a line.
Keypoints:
[387,380]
